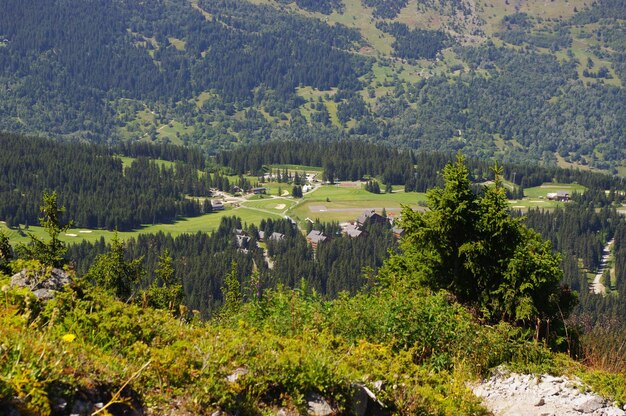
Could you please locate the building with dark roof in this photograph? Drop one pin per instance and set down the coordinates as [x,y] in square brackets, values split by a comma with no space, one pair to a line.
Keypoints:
[315,237]
[354,231]
[372,216]
[277,237]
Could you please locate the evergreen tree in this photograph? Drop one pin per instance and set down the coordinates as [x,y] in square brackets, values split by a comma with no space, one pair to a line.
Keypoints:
[114,273]
[165,292]
[6,252]
[52,252]
[233,299]
[490,261]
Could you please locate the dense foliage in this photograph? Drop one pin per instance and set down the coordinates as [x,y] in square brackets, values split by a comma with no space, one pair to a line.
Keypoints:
[201,262]
[386,8]
[471,246]
[93,184]
[417,43]
[128,51]
[321,6]
[263,352]
[418,171]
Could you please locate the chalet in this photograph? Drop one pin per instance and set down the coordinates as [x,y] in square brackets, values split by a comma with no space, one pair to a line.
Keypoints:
[353,231]
[258,190]
[561,196]
[277,237]
[217,205]
[242,240]
[261,235]
[372,216]
[315,237]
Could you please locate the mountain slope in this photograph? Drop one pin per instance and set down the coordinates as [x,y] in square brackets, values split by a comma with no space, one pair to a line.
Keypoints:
[519,81]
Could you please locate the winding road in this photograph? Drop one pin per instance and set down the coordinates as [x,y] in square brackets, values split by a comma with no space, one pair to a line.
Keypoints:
[597,287]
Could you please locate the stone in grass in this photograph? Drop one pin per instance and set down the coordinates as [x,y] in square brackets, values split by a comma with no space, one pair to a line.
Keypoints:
[365,402]
[239,372]
[43,285]
[318,406]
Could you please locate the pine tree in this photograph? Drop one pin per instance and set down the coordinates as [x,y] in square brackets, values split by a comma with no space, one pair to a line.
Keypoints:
[52,252]
[6,252]
[114,273]
[231,291]
[490,261]
[165,292]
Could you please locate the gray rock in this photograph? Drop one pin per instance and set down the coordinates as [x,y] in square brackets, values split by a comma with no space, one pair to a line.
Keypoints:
[238,373]
[359,400]
[318,406]
[589,404]
[365,402]
[9,410]
[59,404]
[42,284]
[552,391]
[611,411]
[541,402]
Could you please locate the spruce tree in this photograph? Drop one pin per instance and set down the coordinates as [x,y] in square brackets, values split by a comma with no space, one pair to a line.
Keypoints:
[472,247]
[52,252]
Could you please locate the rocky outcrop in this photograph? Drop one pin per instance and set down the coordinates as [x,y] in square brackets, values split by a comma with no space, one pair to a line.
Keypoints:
[43,283]
[508,394]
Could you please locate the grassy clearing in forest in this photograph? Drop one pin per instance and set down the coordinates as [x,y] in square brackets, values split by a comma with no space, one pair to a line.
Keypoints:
[204,223]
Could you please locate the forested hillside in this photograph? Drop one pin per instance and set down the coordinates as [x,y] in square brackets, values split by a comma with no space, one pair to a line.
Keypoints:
[98,191]
[511,81]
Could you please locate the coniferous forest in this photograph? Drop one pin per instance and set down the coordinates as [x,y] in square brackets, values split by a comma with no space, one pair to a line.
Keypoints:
[221,73]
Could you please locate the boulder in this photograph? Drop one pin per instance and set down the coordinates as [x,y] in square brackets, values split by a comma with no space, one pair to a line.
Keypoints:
[318,406]
[42,283]
[365,402]
[589,404]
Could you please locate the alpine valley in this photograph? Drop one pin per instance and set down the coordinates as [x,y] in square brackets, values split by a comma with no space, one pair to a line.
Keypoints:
[312,207]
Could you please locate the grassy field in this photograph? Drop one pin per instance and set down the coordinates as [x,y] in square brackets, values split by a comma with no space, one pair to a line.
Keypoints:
[535,197]
[204,223]
[127,161]
[298,168]
[341,203]
[172,132]
[542,190]
[271,204]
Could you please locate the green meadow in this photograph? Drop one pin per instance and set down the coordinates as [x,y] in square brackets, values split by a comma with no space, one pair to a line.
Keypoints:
[204,223]
[536,197]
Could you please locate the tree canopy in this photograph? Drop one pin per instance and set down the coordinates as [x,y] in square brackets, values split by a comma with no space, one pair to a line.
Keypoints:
[471,246]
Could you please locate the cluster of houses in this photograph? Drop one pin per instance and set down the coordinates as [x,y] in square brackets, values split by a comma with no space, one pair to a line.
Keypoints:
[354,229]
[242,239]
[315,237]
